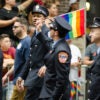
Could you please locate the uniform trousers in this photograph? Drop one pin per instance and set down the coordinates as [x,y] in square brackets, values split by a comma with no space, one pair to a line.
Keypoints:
[94,92]
[32,93]
[66,96]
[63,98]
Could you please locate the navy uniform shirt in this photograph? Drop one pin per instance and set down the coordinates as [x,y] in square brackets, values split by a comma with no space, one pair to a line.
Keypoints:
[56,78]
[35,61]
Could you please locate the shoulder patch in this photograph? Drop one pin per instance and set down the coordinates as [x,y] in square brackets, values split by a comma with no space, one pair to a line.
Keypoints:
[62,57]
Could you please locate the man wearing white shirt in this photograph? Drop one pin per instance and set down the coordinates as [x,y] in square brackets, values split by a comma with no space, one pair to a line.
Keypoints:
[75,65]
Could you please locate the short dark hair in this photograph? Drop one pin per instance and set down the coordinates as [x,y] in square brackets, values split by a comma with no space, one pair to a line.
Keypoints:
[2,36]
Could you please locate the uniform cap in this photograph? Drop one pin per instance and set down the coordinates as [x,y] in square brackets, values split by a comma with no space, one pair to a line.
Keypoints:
[61,25]
[96,22]
[41,10]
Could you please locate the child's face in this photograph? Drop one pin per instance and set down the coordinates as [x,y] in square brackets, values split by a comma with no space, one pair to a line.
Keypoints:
[5,43]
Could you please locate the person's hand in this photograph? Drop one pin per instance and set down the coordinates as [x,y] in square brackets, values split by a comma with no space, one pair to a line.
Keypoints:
[42,71]
[5,65]
[48,22]
[4,80]
[20,84]
[8,63]
[14,19]
[39,24]
[76,64]
[91,62]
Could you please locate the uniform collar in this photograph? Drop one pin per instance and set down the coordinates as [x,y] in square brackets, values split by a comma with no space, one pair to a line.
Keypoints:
[57,42]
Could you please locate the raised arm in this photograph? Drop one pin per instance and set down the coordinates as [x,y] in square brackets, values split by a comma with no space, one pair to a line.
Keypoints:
[4,23]
[24,5]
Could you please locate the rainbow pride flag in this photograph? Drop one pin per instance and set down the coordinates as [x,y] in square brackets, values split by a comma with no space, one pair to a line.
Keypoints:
[77,20]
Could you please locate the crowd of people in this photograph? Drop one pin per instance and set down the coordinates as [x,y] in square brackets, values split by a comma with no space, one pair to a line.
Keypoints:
[36,61]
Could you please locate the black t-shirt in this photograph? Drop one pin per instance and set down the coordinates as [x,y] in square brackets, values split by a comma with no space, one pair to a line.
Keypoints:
[7,15]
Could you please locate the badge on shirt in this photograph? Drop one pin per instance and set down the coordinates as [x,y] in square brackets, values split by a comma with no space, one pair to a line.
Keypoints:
[19,46]
[62,57]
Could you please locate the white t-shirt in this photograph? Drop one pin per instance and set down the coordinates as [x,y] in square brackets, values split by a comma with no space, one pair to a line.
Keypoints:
[73,75]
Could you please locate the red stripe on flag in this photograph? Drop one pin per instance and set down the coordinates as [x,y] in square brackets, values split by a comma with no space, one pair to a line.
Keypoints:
[82,23]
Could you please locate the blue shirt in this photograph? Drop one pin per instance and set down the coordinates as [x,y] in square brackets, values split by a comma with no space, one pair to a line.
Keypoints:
[22,53]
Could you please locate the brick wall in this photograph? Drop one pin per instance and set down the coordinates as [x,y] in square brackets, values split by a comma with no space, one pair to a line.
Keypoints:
[64,6]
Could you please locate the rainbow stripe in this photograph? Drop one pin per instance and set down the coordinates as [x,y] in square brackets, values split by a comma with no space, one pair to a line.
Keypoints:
[77,20]
[75,87]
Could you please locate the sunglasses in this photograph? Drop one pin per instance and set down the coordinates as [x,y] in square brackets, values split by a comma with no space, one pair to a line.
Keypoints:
[17,26]
[53,26]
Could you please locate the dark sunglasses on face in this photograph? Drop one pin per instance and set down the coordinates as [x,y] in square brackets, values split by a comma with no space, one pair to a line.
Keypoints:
[52,26]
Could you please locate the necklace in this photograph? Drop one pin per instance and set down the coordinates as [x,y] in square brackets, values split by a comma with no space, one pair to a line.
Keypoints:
[8,11]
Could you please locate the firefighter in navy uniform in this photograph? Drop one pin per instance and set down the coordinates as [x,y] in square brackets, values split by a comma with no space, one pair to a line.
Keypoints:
[57,60]
[94,90]
[35,67]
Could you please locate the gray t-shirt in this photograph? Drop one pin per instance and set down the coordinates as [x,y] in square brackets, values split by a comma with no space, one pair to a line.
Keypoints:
[91,51]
